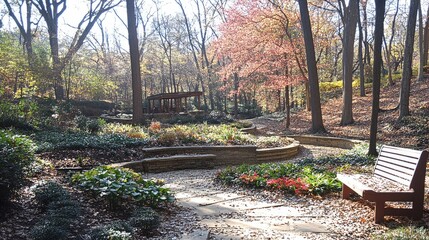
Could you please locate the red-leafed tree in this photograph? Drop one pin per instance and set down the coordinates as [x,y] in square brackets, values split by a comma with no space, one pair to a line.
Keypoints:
[259,44]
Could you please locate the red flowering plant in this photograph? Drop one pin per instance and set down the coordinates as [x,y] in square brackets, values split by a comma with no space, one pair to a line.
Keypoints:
[253,179]
[297,186]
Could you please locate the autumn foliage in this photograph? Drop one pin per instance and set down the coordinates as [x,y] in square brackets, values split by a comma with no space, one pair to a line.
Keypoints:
[260,42]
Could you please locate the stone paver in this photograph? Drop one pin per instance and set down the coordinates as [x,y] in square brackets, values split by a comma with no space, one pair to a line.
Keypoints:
[219,210]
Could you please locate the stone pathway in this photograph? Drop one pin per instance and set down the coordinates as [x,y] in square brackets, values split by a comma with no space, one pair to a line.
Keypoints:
[233,215]
[228,213]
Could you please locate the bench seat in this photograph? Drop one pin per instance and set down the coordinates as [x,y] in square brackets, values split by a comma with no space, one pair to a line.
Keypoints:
[399,176]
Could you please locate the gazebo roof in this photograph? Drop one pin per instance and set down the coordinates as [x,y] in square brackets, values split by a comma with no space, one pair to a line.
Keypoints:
[174,95]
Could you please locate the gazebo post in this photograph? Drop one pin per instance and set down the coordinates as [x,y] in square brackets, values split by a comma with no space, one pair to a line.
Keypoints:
[199,102]
[148,106]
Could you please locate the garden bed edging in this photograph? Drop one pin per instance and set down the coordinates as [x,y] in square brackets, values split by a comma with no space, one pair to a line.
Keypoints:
[162,159]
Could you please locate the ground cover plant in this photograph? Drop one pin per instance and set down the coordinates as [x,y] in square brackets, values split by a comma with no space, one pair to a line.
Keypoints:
[116,136]
[17,155]
[315,176]
[120,185]
[61,211]
[222,134]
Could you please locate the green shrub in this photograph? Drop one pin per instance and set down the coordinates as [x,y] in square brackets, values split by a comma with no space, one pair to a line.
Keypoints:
[61,212]
[404,233]
[53,140]
[49,192]
[48,231]
[119,184]
[16,156]
[320,182]
[21,115]
[166,139]
[145,219]
[118,230]
[92,126]
[335,85]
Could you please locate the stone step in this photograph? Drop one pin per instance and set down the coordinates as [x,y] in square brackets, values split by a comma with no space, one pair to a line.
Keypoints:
[171,163]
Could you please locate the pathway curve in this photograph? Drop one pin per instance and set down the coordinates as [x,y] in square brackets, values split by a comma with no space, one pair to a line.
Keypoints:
[229,213]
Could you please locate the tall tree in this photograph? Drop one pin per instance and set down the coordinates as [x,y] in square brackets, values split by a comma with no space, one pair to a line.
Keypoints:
[135,62]
[404,101]
[194,50]
[426,39]
[388,47]
[51,11]
[24,26]
[378,38]
[367,56]
[421,45]
[351,15]
[313,78]
[361,61]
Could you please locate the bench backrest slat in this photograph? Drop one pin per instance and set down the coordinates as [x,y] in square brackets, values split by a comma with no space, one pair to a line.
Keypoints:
[403,172]
[394,172]
[402,151]
[391,177]
[403,158]
[397,164]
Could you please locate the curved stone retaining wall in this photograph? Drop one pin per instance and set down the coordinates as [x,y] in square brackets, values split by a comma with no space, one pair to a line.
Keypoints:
[163,159]
[326,141]
[277,154]
[225,155]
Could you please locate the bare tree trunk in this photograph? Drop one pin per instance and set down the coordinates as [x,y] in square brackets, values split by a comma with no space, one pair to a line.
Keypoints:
[421,47]
[51,10]
[361,64]
[307,96]
[287,106]
[351,16]
[313,78]
[426,40]
[235,95]
[404,103]
[135,63]
[24,30]
[389,47]
[378,38]
[367,56]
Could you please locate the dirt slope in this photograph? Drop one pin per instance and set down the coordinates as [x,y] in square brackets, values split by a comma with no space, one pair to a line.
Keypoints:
[412,132]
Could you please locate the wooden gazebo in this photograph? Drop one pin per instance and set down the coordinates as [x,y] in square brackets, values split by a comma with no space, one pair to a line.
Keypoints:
[172,102]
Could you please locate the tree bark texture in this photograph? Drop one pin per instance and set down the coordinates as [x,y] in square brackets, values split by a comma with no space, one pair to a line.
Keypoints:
[313,78]
[378,38]
[426,39]
[361,61]
[287,106]
[235,95]
[404,101]
[389,47]
[421,47]
[135,63]
[351,16]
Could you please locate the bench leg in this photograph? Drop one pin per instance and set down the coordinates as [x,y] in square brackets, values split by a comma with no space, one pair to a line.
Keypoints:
[346,191]
[379,211]
[417,212]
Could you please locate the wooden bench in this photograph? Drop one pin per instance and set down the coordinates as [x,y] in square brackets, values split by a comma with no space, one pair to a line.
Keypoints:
[399,176]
